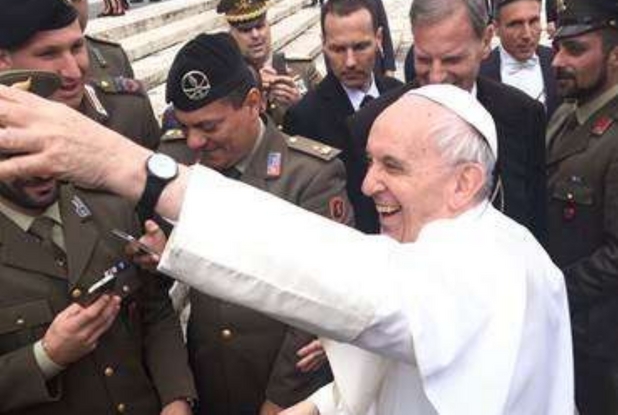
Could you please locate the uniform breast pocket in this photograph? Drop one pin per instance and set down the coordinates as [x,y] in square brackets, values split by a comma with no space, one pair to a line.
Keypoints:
[23,324]
[574,198]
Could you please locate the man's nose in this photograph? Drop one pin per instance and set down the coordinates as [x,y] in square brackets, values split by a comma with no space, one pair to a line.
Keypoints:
[70,67]
[196,140]
[437,74]
[371,184]
[350,58]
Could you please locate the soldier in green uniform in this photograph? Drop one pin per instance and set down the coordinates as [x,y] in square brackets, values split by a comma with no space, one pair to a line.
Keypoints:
[245,362]
[107,59]
[285,81]
[582,166]
[65,349]
[45,35]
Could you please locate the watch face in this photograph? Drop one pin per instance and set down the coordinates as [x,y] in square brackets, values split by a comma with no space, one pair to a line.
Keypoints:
[162,166]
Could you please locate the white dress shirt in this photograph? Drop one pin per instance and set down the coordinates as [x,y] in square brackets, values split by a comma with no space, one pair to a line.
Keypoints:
[470,319]
[356,96]
[527,76]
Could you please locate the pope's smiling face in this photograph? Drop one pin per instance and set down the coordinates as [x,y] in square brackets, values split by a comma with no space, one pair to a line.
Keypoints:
[408,179]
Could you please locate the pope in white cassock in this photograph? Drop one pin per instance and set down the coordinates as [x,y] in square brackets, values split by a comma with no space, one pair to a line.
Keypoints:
[455,310]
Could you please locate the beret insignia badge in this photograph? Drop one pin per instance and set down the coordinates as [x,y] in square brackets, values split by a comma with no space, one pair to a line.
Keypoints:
[195,85]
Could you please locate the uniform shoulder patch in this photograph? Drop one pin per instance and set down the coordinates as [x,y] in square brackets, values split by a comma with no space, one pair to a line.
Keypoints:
[601,125]
[312,147]
[119,85]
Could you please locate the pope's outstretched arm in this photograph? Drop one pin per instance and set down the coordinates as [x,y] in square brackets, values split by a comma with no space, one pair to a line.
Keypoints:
[339,293]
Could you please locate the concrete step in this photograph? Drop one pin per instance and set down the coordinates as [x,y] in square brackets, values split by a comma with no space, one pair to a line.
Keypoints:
[145,19]
[307,45]
[152,70]
[141,45]
[289,20]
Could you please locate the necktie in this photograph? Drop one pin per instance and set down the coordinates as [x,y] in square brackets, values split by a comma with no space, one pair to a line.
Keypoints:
[366,100]
[42,228]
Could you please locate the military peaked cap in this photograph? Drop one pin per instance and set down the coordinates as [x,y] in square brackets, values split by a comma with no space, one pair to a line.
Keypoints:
[241,11]
[576,17]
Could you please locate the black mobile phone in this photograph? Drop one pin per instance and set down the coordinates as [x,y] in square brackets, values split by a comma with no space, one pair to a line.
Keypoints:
[279,63]
[102,286]
[144,249]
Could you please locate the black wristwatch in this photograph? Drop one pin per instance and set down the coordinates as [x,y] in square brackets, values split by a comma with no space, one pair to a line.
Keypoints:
[161,170]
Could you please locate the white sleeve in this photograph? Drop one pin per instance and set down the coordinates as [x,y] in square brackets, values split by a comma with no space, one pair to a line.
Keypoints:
[300,268]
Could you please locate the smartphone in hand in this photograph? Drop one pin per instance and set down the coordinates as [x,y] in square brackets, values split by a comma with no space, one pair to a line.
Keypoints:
[143,249]
[279,64]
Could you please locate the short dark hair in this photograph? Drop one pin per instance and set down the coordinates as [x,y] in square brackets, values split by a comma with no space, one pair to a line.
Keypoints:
[498,5]
[343,8]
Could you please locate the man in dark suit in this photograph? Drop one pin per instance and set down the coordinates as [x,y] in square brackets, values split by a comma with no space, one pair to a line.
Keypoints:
[63,350]
[451,40]
[351,38]
[582,167]
[520,61]
[245,362]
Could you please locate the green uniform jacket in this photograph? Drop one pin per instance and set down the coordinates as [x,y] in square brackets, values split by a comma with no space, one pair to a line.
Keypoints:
[240,357]
[139,364]
[121,105]
[582,167]
[107,59]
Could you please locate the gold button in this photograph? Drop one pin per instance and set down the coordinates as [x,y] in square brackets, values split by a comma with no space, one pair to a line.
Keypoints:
[76,293]
[109,372]
[126,289]
[273,106]
[280,127]
[121,408]
[226,334]
[20,321]
[104,84]
[60,262]
[326,150]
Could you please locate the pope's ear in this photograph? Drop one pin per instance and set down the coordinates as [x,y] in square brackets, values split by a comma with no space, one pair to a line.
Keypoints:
[469,180]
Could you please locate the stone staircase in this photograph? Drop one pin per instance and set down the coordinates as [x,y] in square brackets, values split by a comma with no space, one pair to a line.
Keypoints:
[153,35]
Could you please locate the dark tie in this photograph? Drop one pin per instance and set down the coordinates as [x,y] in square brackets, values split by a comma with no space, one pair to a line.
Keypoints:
[42,228]
[366,100]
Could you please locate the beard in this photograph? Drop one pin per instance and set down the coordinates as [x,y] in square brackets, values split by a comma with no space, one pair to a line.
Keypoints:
[16,193]
[568,87]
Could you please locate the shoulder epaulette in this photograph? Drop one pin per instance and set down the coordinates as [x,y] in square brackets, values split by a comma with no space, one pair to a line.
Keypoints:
[103,41]
[312,147]
[298,58]
[173,134]
[119,85]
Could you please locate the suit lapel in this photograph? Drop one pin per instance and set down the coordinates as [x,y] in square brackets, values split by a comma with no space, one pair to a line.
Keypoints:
[20,250]
[80,232]
[331,91]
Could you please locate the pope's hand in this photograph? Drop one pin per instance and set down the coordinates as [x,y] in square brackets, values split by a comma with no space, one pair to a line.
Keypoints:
[312,357]
[42,138]
[302,408]
[153,238]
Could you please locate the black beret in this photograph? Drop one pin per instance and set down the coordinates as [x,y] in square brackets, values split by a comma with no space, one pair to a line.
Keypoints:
[206,69]
[22,19]
[576,17]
